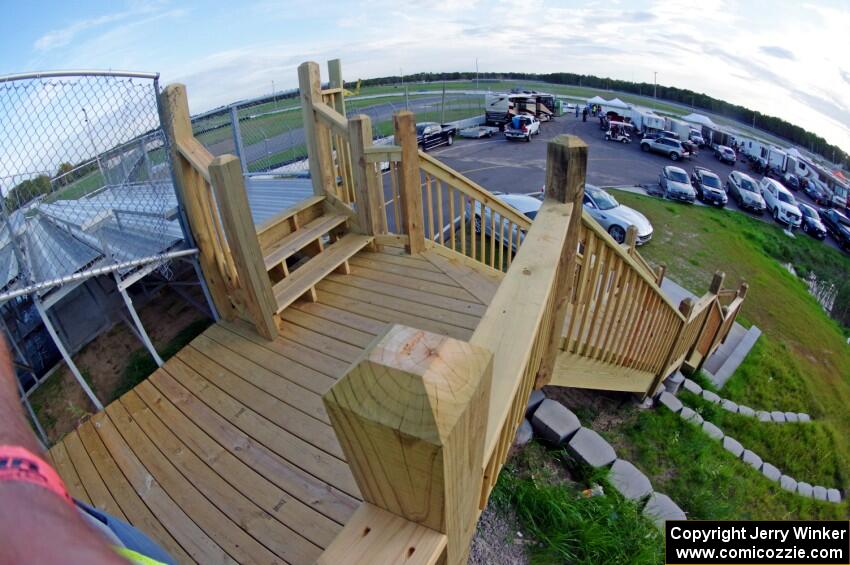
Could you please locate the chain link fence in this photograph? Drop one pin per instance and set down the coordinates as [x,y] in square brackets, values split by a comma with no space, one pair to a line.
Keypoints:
[86,179]
[268,134]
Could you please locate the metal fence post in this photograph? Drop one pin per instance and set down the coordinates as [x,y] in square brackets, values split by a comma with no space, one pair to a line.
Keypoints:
[237,139]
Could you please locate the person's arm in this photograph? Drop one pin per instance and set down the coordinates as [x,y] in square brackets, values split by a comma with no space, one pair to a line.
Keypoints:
[37,525]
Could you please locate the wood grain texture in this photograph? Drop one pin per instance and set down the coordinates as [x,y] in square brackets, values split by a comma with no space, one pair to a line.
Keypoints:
[411,416]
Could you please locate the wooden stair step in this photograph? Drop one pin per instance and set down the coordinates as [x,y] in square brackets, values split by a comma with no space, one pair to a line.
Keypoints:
[299,239]
[317,268]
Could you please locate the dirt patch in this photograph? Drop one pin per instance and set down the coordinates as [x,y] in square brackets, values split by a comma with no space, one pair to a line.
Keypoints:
[498,538]
[600,411]
[60,402]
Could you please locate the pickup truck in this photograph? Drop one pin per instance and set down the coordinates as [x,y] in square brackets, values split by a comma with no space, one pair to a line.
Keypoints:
[432,134]
[522,127]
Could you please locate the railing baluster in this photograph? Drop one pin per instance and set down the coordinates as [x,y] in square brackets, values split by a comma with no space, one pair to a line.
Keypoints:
[510,247]
[463,208]
[428,194]
[441,222]
[396,202]
[483,242]
[473,214]
[492,238]
[453,228]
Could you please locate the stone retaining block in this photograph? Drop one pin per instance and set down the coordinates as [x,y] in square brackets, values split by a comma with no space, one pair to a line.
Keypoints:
[729,406]
[752,459]
[770,471]
[791,417]
[788,483]
[777,416]
[710,396]
[670,402]
[674,382]
[629,480]
[659,508]
[804,489]
[712,431]
[763,416]
[524,433]
[833,495]
[692,387]
[803,417]
[554,422]
[746,411]
[691,416]
[592,449]
[819,492]
[733,446]
[534,401]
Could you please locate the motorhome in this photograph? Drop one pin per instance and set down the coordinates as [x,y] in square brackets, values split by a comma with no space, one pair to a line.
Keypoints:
[683,129]
[500,108]
[644,120]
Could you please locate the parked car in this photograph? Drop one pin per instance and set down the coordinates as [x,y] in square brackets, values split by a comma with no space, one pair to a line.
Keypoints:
[708,187]
[791,181]
[615,217]
[525,204]
[696,137]
[816,193]
[838,226]
[671,147]
[675,184]
[522,127]
[812,224]
[780,202]
[432,134]
[611,215]
[744,190]
[725,154]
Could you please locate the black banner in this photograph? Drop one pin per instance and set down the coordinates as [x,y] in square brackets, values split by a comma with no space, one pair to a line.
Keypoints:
[694,542]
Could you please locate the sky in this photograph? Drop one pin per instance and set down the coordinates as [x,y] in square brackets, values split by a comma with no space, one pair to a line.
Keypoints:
[785,58]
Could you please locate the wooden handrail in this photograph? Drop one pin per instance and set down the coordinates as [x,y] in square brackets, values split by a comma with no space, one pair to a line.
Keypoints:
[331,117]
[197,155]
[599,231]
[448,175]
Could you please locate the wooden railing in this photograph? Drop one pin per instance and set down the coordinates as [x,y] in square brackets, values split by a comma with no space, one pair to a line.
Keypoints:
[212,191]
[426,421]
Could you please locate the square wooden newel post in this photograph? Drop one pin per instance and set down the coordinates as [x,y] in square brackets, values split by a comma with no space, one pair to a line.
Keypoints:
[411,416]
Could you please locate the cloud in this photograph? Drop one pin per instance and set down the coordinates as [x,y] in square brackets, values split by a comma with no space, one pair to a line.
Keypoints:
[62,37]
[845,75]
[778,52]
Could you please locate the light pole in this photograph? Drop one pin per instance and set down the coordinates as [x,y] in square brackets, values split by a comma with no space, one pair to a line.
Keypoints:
[476,74]
[274,96]
[93,146]
[655,85]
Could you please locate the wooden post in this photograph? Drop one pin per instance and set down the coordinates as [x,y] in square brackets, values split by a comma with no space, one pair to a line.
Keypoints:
[335,81]
[631,238]
[742,290]
[409,182]
[686,307]
[660,271]
[566,170]
[716,282]
[229,186]
[369,192]
[411,417]
[190,186]
[316,135]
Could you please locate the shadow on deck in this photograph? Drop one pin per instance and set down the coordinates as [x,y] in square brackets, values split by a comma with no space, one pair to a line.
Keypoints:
[226,453]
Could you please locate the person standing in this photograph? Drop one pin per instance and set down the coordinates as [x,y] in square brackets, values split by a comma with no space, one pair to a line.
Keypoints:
[576,110]
[584,114]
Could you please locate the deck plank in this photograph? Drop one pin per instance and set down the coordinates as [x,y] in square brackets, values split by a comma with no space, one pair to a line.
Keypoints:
[324,498]
[424,275]
[401,260]
[300,453]
[328,328]
[318,361]
[426,298]
[282,366]
[314,526]
[272,534]
[406,279]
[296,422]
[134,508]
[462,320]
[314,340]
[188,534]
[387,315]
[293,394]
[367,325]
[99,494]
[66,469]
[233,539]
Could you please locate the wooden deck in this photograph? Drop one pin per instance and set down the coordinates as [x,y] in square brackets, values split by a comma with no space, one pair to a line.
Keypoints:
[226,453]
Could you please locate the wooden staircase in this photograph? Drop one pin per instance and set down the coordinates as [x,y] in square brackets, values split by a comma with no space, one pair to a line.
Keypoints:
[304,245]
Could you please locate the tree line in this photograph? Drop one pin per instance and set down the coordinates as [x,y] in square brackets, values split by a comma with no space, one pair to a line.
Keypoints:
[698,100]
[40,185]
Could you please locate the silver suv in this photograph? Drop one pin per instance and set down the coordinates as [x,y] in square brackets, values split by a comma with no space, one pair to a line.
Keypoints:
[673,148]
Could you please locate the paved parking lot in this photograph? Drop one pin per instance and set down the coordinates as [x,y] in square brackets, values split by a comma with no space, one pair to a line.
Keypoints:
[519,167]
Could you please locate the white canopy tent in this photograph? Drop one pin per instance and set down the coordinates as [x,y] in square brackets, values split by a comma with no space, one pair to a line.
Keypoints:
[699,119]
[597,100]
[616,103]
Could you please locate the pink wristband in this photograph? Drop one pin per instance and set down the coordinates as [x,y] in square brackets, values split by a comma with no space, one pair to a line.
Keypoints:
[19,464]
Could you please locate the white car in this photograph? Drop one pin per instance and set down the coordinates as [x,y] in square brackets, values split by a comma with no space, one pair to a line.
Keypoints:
[744,190]
[780,202]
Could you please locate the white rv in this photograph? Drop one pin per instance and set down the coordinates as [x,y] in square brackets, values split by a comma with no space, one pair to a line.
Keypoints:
[644,120]
[683,129]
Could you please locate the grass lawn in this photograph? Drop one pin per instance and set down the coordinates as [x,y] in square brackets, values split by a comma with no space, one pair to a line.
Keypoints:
[78,188]
[801,363]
